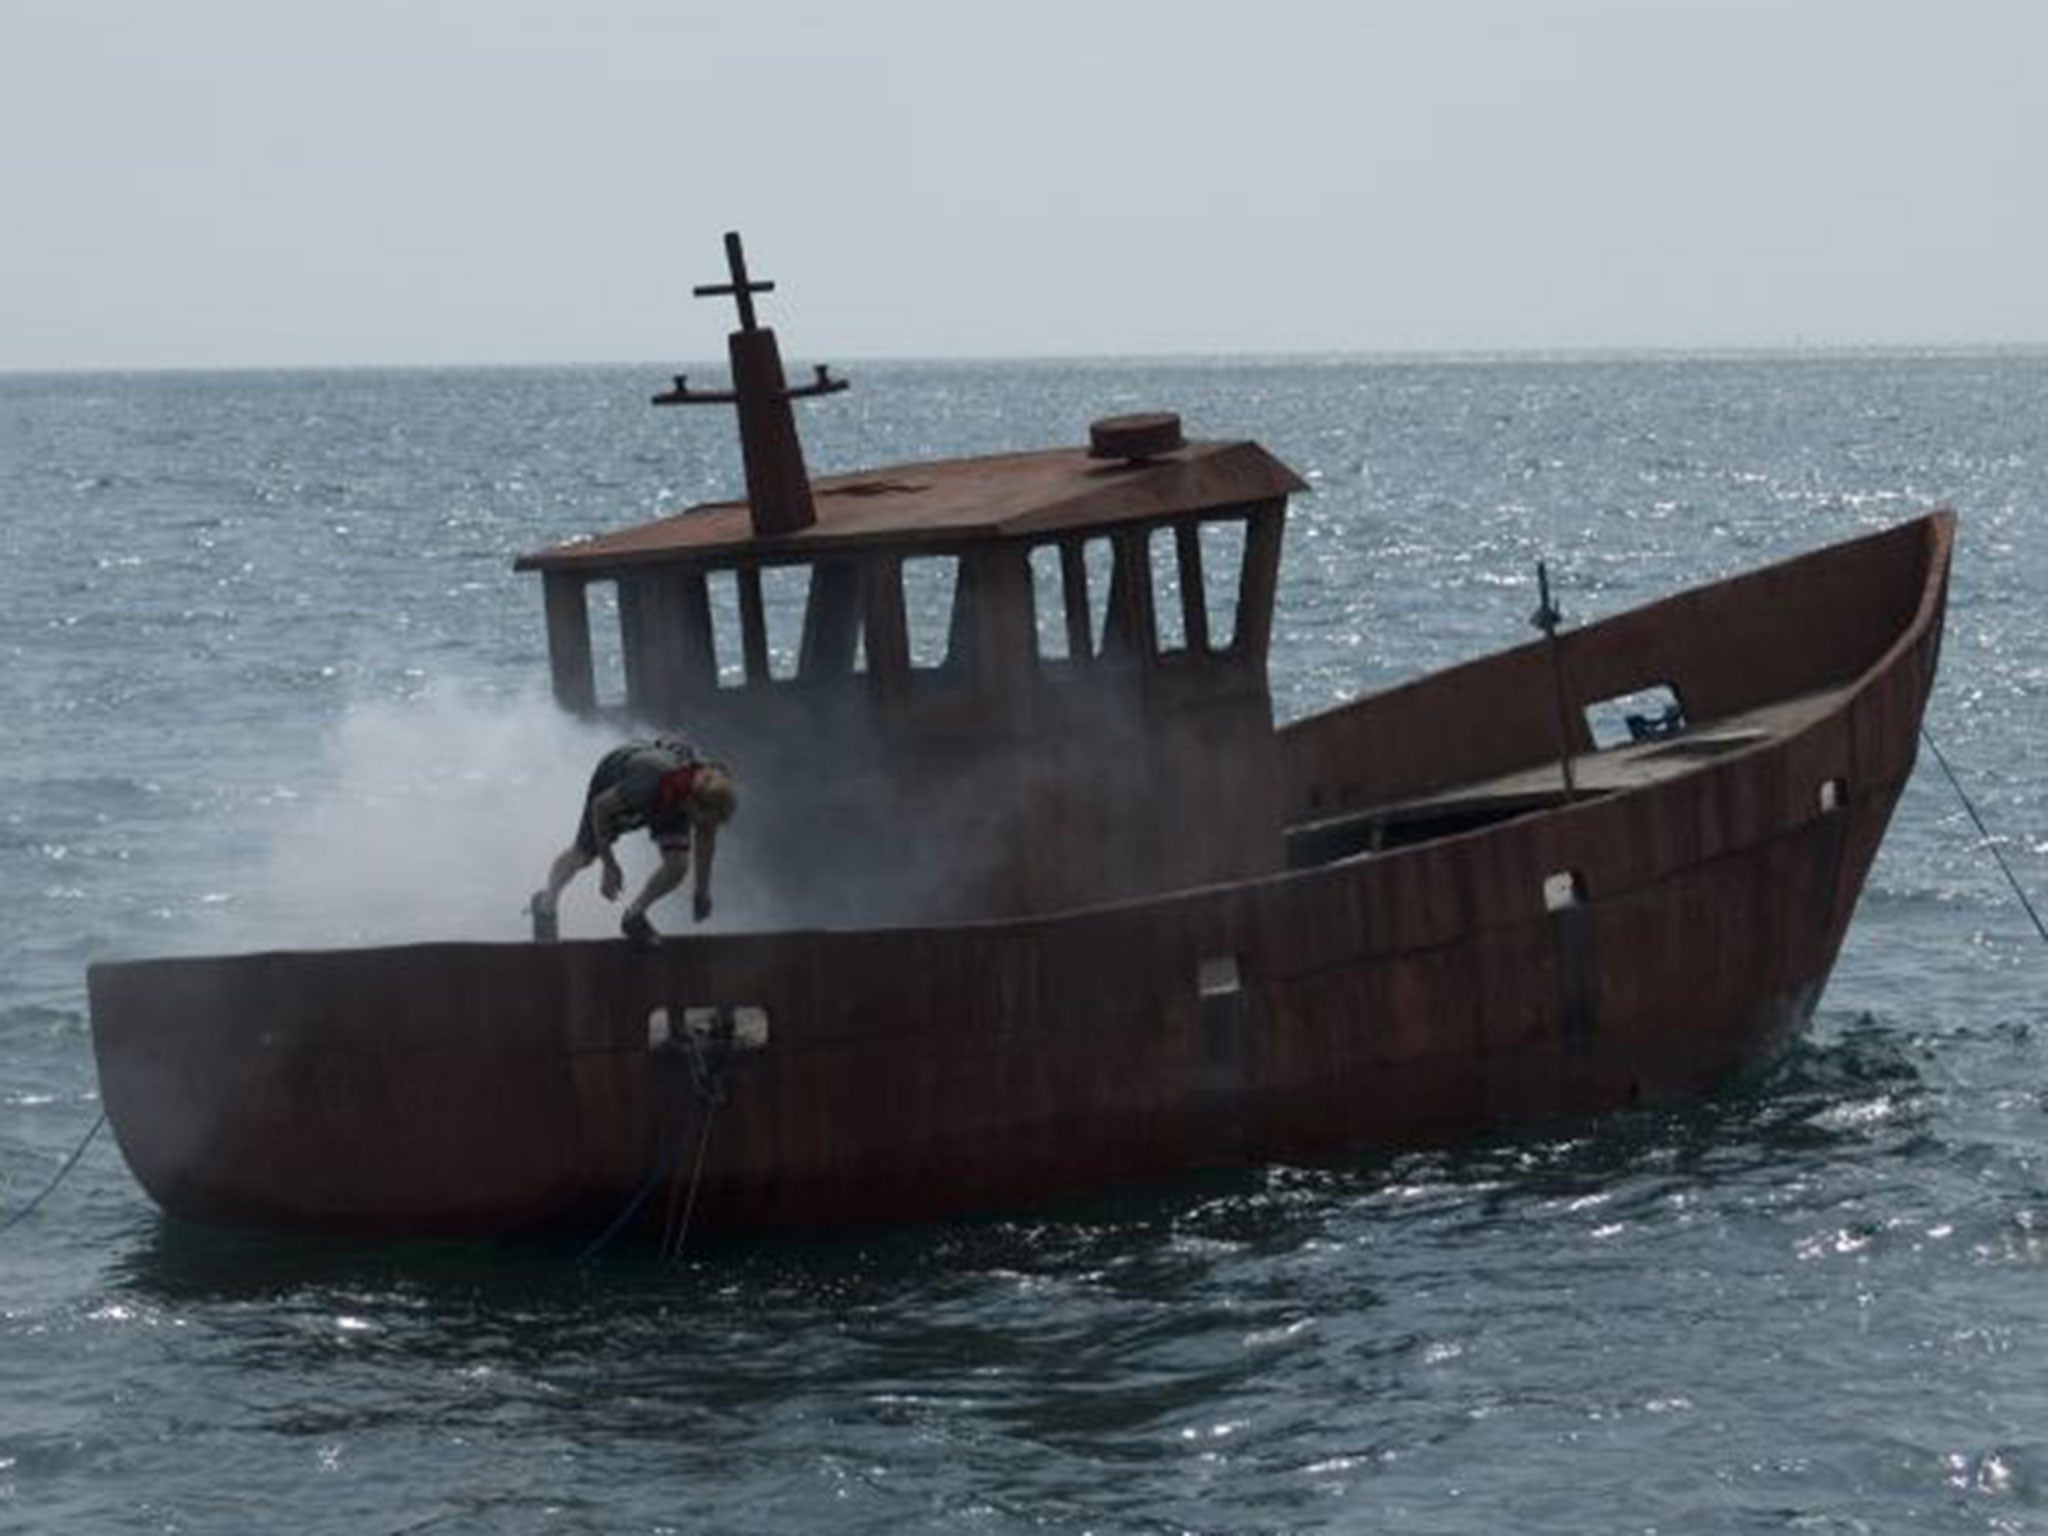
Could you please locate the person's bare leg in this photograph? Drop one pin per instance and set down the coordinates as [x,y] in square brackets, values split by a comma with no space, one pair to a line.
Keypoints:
[546,927]
[668,874]
[568,864]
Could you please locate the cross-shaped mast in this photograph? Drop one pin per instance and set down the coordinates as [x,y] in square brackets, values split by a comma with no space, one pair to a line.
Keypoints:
[778,485]
[740,288]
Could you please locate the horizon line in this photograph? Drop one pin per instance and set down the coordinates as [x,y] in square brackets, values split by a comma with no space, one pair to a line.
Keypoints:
[1595,352]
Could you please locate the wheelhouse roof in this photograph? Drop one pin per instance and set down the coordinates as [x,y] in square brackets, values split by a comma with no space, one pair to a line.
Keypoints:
[947,502]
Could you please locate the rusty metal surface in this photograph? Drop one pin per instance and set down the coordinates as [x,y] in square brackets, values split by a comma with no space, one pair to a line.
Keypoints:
[1820,620]
[1135,438]
[944,503]
[1405,998]
[778,483]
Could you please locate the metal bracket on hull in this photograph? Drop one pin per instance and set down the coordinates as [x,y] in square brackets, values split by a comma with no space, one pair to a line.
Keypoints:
[1564,896]
[1834,805]
[741,1026]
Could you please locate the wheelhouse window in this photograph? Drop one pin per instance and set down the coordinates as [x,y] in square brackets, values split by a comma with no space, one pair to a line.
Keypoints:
[607,645]
[1169,615]
[1222,545]
[652,638]
[1049,604]
[931,593]
[1173,589]
[1098,562]
[727,649]
[785,599]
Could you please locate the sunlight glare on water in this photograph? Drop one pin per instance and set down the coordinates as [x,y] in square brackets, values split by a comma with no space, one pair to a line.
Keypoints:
[269,678]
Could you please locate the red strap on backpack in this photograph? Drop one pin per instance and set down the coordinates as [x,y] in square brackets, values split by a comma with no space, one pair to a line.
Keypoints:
[676,787]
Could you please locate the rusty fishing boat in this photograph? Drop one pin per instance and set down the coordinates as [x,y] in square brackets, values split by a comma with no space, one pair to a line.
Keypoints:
[1164,934]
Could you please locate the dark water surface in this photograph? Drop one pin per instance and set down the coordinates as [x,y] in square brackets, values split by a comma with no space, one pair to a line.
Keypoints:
[266,676]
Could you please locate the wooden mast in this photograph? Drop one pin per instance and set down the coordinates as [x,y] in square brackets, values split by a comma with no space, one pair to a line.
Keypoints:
[778,484]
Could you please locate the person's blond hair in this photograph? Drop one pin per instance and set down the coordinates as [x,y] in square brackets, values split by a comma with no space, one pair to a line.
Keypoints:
[713,795]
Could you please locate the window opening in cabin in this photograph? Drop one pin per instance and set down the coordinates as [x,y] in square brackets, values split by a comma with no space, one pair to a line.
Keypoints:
[832,620]
[1099,555]
[1168,620]
[1648,714]
[607,644]
[727,650]
[1222,577]
[931,585]
[1049,602]
[785,589]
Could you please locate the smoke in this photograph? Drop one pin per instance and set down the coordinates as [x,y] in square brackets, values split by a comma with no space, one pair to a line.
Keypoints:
[434,818]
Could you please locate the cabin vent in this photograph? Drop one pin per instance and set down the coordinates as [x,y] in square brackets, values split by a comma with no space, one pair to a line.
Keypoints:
[1563,891]
[1834,794]
[1135,438]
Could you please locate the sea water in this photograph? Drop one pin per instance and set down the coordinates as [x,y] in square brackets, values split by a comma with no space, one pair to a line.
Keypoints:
[267,677]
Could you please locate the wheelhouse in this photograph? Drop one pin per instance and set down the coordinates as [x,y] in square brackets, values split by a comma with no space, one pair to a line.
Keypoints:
[977,687]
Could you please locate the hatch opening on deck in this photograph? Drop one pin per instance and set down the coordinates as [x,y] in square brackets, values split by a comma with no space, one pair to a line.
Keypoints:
[1646,714]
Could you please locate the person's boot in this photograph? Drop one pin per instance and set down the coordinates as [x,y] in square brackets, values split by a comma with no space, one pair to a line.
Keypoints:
[638,931]
[547,928]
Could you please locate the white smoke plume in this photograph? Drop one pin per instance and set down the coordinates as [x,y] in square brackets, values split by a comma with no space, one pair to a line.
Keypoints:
[435,818]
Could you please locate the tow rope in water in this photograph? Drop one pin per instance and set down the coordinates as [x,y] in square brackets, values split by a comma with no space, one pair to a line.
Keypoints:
[664,1166]
[673,1236]
[1990,843]
[69,1163]
[707,1083]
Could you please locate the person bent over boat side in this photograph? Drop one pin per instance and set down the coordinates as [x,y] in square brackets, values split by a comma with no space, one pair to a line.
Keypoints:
[665,787]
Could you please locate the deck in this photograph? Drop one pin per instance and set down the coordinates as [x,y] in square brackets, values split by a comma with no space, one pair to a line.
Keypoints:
[1609,771]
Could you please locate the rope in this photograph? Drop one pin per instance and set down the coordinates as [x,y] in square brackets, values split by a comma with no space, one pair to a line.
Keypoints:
[708,1085]
[1985,832]
[675,1194]
[663,1167]
[69,1163]
[675,1251]
[707,1082]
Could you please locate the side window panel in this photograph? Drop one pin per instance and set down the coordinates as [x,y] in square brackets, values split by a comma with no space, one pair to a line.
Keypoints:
[1167,615]
[1222,572]
[930,585]
[722,588]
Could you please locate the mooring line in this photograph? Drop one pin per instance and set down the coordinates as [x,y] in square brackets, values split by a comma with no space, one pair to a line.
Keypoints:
[664,1166]
[1985,832]
[674,1250]
[708,1088]
[69,1163]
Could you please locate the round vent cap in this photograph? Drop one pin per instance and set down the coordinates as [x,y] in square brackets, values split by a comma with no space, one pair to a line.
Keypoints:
[1135,438]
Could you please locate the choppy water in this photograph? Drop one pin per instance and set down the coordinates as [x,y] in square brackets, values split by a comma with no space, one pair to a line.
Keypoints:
[265,674]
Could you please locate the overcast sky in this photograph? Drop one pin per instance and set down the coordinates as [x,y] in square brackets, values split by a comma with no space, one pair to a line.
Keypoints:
[201,183]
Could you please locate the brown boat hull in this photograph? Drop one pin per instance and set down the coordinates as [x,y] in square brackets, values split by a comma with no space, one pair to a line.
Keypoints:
[1396,999]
